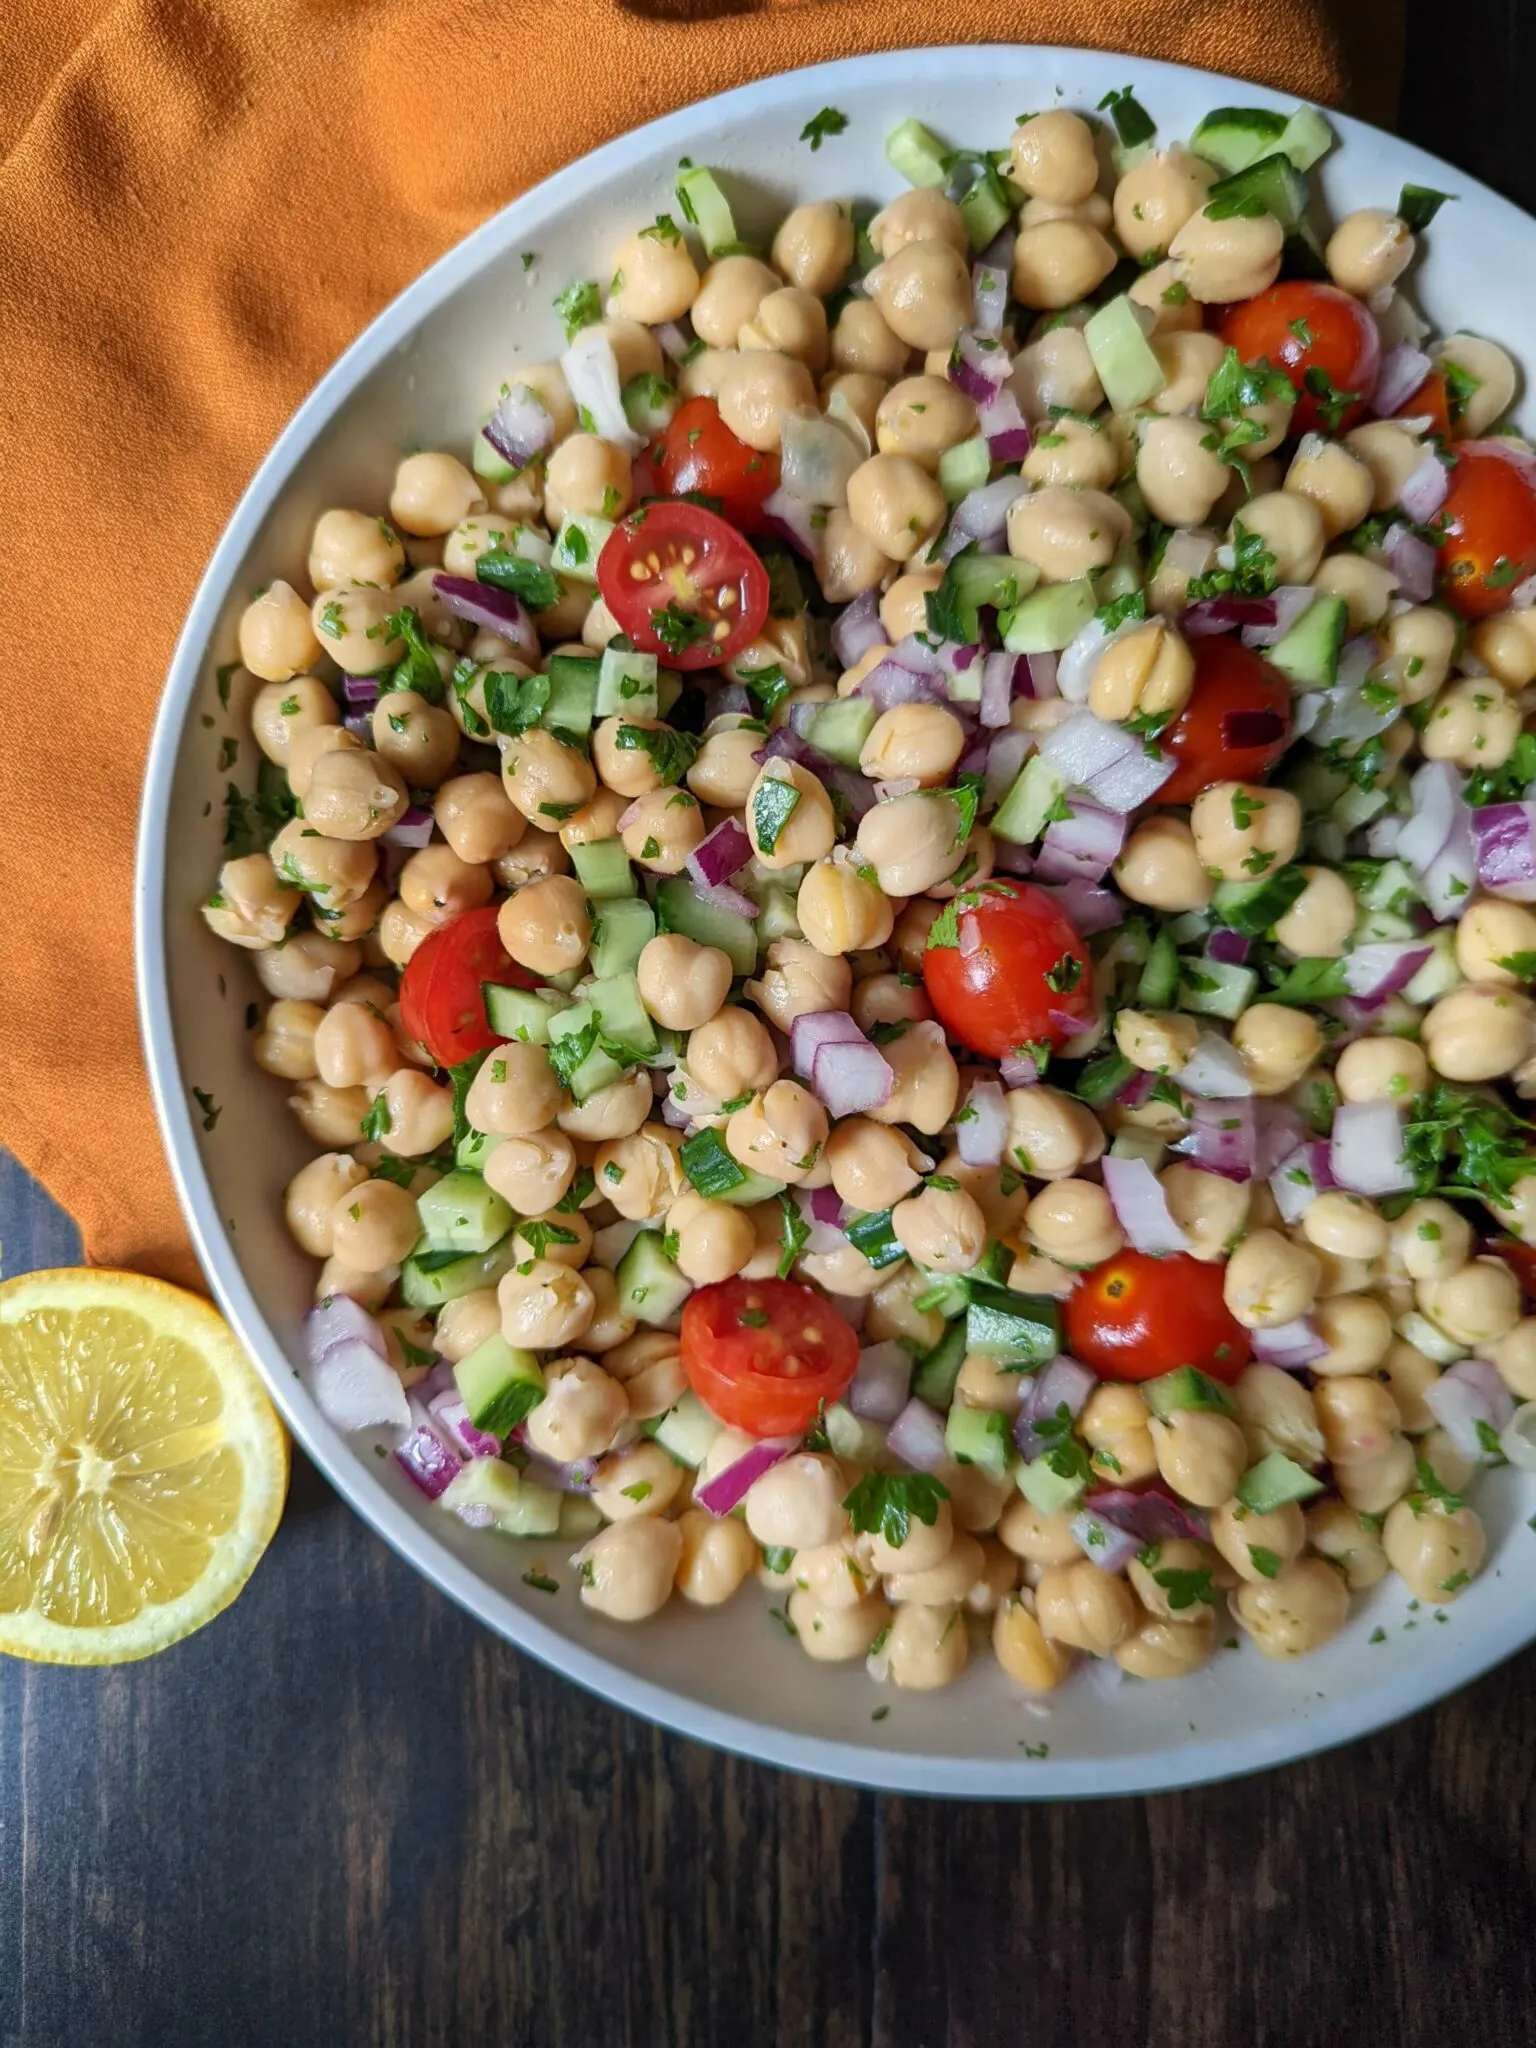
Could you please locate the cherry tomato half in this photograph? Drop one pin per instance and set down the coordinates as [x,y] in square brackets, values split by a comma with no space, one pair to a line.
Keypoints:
[1490,527]
[1520,1259]
[1236,724]
[764,1354]
[698,452]
[441,1005]
[683,585]
[1136,1317]
[1325,342]
[1019,975]
[1432,401]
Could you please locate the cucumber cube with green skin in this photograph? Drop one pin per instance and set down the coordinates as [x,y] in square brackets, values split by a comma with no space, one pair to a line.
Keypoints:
[850,1436]
[1214,988]
[840,729]
[1045,1489]
[1272,185]
[678,909]
[428,1279]
[1252,907]
[460,1213]
[472,1148]
[704,206]
[578,544]
[1186,1387]
[1231,138]
[1026,810]
[621,931]
[1273,1482]
[687,1430]
[1309,652]
[1128,370]
[1160,975]
[626,1022]
[917,154]
[626,682]
[518,1506]
[938,1369]
[779,917]
[978,1436]
[650,1288]
[1019,1332]
[1049,619]
[603,869]
[535,1510]
[489,464]
[499,1385]
[597,1070]
[964,468]
[572,693]
[516,1013]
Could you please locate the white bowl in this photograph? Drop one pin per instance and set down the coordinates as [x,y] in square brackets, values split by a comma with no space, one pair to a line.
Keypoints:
[425,373]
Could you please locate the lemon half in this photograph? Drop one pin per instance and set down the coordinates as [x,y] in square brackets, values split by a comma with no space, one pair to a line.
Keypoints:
[142,1466]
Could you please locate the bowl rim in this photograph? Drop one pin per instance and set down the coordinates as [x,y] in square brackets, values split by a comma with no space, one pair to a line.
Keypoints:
[1207,1761]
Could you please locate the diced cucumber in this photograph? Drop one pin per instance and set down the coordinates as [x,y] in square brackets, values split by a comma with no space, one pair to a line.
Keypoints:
[1357,807]
[459,1213]
[1123,577]
[686,1431]
[1273,1482]
[873,1236]
[572,693]
[779,917]
[1186,1388]
[840,729]
[1160,976]
[599,1069]
[986,209]
[472,1149]
[581,539]
[1440,973]
[945,1294]
[1309,652]
[978,1436]
[428,1279]
[649,403]
[976,580]
[937,1370]
[1133,1142]
[850,1436]
[1252,907]
[621,931]
[1025,811]
[603,869]
[1272,185]
[1122,355]
[626,681]
[1393,887]
[650,1288]
[517,1013]
[1213,988]
[1049,619]
[917,154]
[499,1385]
[489,464]
[1014,1330]
[964,468]
[1189,929]
[1233,137]
[678,909]
[535,1510]
[579,1518]
[1375,927]
[1044,1488]
[706,207]
[1428,1337]
[625,1019]
[1307,138]
[518,1507]
[1316,785]
[669,687]
[715,1175]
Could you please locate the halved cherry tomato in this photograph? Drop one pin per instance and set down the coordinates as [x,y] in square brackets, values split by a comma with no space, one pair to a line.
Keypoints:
[1432,401]
[1490,527]
[1136,1317]
[764,1354]
[1520,1259]
[1019,976]
[1325,342]
[698,452]
[1236,724]
[683,585]
[441,1005]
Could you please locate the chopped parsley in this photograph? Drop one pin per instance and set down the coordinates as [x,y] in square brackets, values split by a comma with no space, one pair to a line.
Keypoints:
[672,753]
[377,1122]
[822,126]
[515,703]
[212,1111]
[579,305]
[794,1234]
[1417,205]
[887,1503]
[1264,1561]
[531,582]
[678,630]
[541,1582]
[769,686]
[1252,573]
[1332,405]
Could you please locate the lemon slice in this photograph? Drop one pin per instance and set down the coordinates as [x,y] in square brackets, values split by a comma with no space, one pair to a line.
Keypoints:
[142,1467]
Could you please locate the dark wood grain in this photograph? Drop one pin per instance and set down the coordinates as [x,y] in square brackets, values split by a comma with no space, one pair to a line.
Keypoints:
[344,1815]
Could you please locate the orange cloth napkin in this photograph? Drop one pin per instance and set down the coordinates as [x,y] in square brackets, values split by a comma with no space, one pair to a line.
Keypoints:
[201,203]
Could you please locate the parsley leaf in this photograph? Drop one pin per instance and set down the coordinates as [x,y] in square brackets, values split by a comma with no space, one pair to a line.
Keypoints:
[678,630]
[1457,1143]
[886,1504]
[821,126]
[794,1233]
[1252,573]
[579,305]
[1263,1561]
[1417,205]
[514,703]
[1185,1588]
[417,668]
[769,686]
[672,753]
[535,585]
[1331,404]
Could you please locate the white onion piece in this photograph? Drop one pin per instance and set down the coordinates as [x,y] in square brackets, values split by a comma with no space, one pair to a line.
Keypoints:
[851,1079]
[1111,1549]
[1425,491]
[1132,781]
[981,1129]
[1472,1405]
[592,375]
[1215,1070]
[1291,1345]
[339,1319]
[839,409]
[1077,662]
[354,1388]
[917,1437]
[1403,370]
[1518,1442]
[1365,1150]
[1290,601]
[1436,791]
[1142,1207]
[816,459]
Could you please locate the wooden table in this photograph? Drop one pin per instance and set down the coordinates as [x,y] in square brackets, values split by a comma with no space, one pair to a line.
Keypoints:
[345,1815]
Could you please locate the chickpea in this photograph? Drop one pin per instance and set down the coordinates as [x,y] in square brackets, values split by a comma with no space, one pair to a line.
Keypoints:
[1488,934]
[282,713]
[1277,1414]
[1420,645]
[814,246]
[1515,1356]
[1479,1032]
[1367,589]
[419,740]
[654,279]
[1209,1209]
[779,1133]
[1153,1582]
[1243,1535]
[805,833]
[436,886]
[432,493]
[1390,453]
[368,1290]
[909,939]
[1506,646]
[1058,262]
[1347,1225]
[640,1174]
[982,1383]
[476,818]
[1114,1425]
[1056,369]
[1157,1041]
[1076,454]
[547,925]
[731,292]
[1188,360]
[1299,1610]
[714,1240]
[873,1168]
[1490,370]
[1475,1306]
[716,1555]
[664,828]
[544,1307]
[1055,158]
[724,771]
[332,872]
[732,1055]
[1170,315]
[353,1046]
[1074,1221]
[848,561]
[1202,1456]
[1270,1281]
[354,547]
[682,984]
[642,1480]
[1435,1552]
[542,776]
[1381,1070]
[254,902]
[1409,1375]
[307,746]
[927,1646]
[1359,1419]
[285,1044]
[1085,1608]
[1148,670]
[310,1199]
[756,391]
[895,503]
[797,1504]
[1338,482]
[374,1225]
[1180,475]
[889,999]
[277,634]
[1219,262]
[611,1112]
[1291,527]
[1236,824]
[862,344]
[918,741]
[1278,1045]
[922,215]
[927,1080]
[1026,1653]
[464,1325]
[1368,251]
[922,416]
[839,911]
[628,768]
[628,1568]
[793,322]
[1521,1211]
[923,293]
[1161,867]
[309,968]
[1051,1135]
[1066,534]
[419,1114]
[837,1634]
[399,934]
[351,794]
[999,1576]
[1474,723]
[1169,1649]
[945,1584]
[912,842]
[1342,1534]
[1157,196]
[924,1547]
[589,477]
[942,1229]
[1319,923]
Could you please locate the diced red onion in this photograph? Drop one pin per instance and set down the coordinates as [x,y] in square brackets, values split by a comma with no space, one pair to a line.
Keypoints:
[1005,758]
[521,426]
[1209,615]
[979,366]
[355,1387]
[721,853]
[981,1129]
[1089,907]
[1138,1200]
[1436,793]
[1044,670]
[982,514]
[998,254]
[573,1478]
[729,1488]
[857,629]
[1004,425]
[1009,859]
[426,1457]
[1018,1070]
[1278,1129]
[1227,948]
[484,605]
[1448,881]
[1289,1345]
[1222,1137]
[1505,836]
[851,1079]
[1365,1151]
[413,828]
[1290,600]
[1251,728]
[730,701]
[448,1411]
[1133,780]
[1467,1400]
[1375,972]
[880,1387]
[1082,847]
[792,520]
[1152,1516]
[338,1319]
[997,683]
[1402,372]
[360,692]
[721,896]
[816,1028]
[827,1207]
[1064,1383]
[891,682]
[1109,1547]
[989,295]
[592,377]
[816,459]
[1412,559]
[826,1233]
[1215,1070]
[917,1437]
[1300,1178]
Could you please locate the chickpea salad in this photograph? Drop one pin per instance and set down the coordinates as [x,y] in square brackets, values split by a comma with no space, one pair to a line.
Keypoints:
[901,911]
